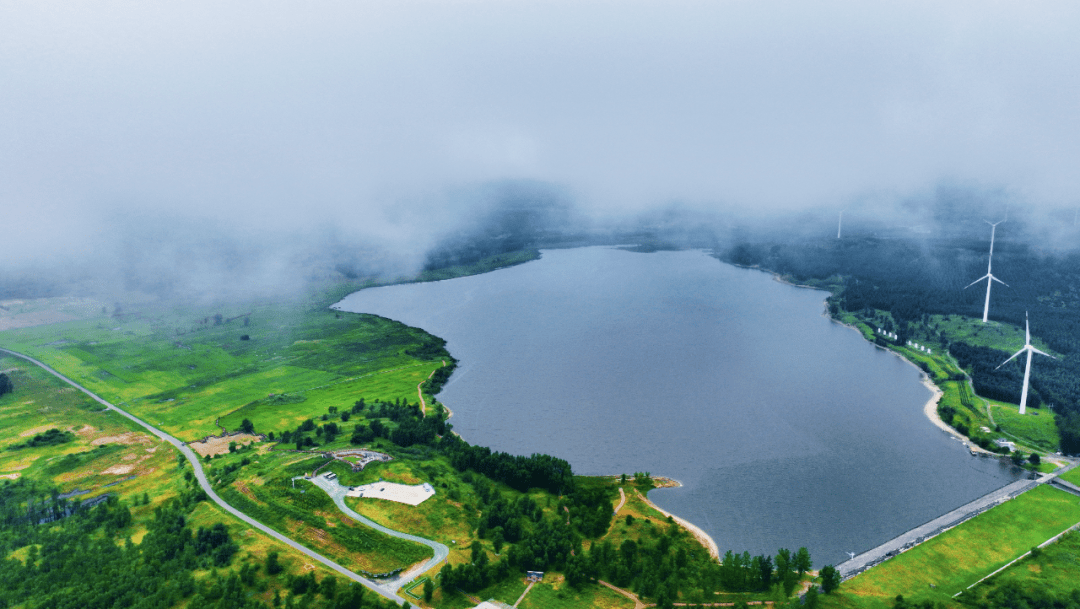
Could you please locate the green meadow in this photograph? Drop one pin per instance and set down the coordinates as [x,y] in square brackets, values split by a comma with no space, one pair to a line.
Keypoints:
[182,369]
[1035,429]
[104,453]
[1054,571]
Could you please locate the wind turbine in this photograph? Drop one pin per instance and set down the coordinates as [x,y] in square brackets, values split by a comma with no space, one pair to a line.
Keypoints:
[989,277]
[840,224]
[1027,369]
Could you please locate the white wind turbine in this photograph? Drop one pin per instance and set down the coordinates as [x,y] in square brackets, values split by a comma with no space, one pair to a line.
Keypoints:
[1027,369]
[840,224]
[989,277]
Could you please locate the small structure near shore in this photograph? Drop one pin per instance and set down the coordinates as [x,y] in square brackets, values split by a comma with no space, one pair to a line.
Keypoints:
[358,458]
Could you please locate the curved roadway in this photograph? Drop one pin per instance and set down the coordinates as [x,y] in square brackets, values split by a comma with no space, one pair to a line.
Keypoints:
[337,493]
[380,589]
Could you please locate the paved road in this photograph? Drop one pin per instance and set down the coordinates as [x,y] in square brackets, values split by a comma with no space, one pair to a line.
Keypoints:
[337,493]
[201,476]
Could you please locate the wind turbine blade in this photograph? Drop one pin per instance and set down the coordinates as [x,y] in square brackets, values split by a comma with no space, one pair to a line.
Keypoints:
[1011,358]
[998,280]
[1027,330]
[976,281]
[1041,353]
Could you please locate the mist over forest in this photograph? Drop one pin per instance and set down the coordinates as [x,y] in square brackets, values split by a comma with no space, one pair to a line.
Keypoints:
[206,150]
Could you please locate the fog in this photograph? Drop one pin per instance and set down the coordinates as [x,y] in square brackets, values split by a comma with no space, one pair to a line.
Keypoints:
[254,145]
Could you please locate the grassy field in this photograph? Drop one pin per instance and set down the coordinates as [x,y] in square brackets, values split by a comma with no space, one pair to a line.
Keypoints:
[950,562]
[109,454]
[1036,429]
[181,369]
[1055,570]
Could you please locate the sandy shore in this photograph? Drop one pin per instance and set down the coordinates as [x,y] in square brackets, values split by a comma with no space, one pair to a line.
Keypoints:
[702,537]
[930,410]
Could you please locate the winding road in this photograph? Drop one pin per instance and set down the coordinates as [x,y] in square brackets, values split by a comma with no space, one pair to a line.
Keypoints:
[337,493]
[388,591]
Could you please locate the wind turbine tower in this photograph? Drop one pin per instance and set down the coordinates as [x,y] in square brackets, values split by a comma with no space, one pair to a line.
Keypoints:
[989,277]
[840,224]
[1027,368]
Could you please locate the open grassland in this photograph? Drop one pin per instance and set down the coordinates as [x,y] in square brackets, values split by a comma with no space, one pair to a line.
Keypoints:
[104,452]
[1036,429]
[282,410]
[182,369]
[993,334]
[108,454]
[948,563]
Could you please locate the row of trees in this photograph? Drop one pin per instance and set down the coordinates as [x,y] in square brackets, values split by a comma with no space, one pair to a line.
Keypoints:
[518,472]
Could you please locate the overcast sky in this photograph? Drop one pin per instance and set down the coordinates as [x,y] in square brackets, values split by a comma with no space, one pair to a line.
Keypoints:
[278,115]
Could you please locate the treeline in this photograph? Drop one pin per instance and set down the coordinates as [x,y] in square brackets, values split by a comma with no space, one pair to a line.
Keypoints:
[1013,595]
[412,428]
[518,472]
[1002,384]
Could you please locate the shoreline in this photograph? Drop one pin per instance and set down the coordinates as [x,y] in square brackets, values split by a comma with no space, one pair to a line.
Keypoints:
[695,531]
[930,407]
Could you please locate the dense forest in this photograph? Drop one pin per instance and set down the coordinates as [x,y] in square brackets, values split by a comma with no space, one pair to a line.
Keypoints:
[53,544]
[913,278]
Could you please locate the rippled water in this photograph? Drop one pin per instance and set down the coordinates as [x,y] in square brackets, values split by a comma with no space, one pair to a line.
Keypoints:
[785,428]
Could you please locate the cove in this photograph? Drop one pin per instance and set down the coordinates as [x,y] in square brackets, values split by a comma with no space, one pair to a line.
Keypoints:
[785,428]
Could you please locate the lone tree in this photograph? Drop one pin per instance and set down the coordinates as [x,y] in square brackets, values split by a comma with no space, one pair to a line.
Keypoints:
[830,579]
[5,384]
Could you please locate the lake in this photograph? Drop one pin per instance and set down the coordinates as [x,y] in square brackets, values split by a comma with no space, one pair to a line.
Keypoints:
[785,428]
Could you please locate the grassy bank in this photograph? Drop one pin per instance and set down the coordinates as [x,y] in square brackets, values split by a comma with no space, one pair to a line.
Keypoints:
[959,406]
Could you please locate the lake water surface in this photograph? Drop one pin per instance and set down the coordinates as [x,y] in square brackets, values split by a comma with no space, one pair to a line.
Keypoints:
[785,428]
